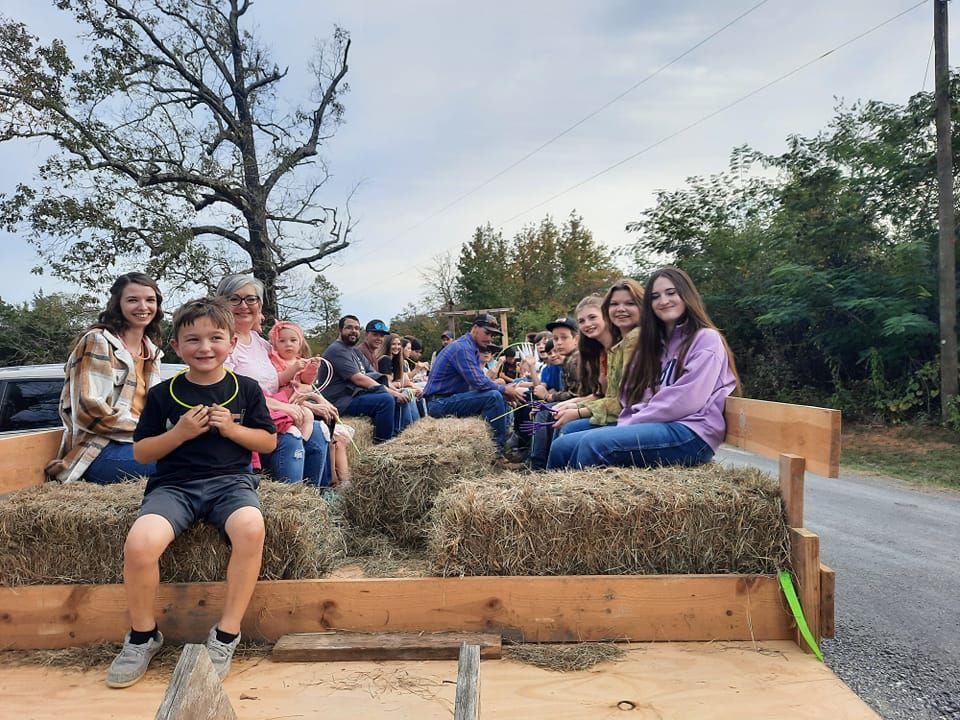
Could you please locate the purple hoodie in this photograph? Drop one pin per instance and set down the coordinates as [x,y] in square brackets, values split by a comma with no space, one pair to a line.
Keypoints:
[695,399]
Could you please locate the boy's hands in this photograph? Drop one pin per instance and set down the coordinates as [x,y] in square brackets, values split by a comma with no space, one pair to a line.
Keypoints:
[222,419]
[194,422]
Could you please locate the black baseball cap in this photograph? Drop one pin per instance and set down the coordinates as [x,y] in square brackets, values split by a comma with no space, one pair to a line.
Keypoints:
[377,326]
[567,322]
[487,321]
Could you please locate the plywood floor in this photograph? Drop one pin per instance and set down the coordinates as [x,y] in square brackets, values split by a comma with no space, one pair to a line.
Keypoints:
[662,680]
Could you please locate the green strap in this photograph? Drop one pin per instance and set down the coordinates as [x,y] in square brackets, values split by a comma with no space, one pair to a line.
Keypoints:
[786,582]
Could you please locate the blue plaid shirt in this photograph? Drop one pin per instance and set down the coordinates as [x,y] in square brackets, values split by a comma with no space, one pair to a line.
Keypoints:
[457,370]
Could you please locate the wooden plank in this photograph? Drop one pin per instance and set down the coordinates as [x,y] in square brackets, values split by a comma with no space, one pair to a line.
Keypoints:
[195,691]
[828,584]
[770,428]
[339,646]
[805,555]
[466,704]
[534,609]
[24,457]
[791,488]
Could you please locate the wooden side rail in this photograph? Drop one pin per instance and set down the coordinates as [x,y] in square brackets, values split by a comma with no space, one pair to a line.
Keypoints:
[771,429]
[23,457]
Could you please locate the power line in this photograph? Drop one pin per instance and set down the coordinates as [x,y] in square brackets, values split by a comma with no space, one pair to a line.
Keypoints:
[696,123]
[927,68]
[568,130]
[711,115]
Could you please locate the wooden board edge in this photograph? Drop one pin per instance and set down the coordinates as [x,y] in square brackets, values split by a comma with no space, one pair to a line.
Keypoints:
[530,609]
[828,584]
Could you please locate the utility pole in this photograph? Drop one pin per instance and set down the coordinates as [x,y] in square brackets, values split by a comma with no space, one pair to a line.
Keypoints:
[948,239]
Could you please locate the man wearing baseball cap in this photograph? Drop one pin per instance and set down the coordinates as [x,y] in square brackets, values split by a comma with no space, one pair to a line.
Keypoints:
[373,335]
[458,386]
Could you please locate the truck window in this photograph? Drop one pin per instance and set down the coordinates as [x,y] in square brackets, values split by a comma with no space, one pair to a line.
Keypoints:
[30,404]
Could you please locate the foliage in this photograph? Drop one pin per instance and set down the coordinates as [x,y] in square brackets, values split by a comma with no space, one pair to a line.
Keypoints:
[45,329]
[426,327]
[544,270]
[820,263]
[174,156]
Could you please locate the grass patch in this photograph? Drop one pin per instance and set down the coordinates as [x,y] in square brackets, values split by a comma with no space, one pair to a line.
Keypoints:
[925,454]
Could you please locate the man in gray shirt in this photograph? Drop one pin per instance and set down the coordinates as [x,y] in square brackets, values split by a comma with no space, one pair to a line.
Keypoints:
[358,389]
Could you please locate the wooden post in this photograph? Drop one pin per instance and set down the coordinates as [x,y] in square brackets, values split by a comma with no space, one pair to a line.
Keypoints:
[828,584]
[467,703]
[195,691]
[947,258]
[503,326]
[791,488]
[805,554]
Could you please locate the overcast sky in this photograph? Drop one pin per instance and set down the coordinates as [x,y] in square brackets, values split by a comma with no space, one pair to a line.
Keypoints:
[444,95]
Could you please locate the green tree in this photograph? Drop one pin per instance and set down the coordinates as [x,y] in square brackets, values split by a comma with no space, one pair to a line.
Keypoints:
[481,269]
[45,329]
[174,155]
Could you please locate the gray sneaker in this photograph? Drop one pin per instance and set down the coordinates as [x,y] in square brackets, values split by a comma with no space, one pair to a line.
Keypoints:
[130,665]
[221,653]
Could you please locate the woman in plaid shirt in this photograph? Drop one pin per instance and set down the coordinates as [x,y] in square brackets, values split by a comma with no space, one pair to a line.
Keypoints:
[108,374]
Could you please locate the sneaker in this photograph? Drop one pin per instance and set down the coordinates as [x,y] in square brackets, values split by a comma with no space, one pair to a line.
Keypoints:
[221,653]
[131,664]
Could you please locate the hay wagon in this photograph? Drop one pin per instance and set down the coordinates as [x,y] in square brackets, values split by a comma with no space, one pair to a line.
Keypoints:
[731,613]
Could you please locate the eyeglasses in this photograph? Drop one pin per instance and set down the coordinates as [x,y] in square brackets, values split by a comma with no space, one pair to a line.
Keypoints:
[237,301]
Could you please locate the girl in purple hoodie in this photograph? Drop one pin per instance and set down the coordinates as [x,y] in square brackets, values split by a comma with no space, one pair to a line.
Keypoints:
[673,392]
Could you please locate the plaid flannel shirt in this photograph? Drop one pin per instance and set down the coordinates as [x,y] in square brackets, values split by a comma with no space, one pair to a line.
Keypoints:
[95,403]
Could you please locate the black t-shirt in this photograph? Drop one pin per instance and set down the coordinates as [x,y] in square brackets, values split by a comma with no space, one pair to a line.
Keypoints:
[210,454]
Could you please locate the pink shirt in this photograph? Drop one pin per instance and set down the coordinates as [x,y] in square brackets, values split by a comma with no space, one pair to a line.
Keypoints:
[253,360]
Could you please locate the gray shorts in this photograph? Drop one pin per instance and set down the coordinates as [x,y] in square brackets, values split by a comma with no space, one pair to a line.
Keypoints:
[214,499]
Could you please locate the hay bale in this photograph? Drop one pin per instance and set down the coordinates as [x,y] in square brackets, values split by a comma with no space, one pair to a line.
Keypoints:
[74,533]
[612,521]
[362,439]
[395,483]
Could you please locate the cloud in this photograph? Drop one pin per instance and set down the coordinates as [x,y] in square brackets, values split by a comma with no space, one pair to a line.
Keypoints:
[445,95]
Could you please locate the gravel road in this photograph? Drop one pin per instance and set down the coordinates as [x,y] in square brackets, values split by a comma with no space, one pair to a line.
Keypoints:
[896,551]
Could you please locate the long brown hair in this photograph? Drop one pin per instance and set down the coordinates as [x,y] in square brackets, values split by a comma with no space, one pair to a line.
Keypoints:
[396,361]
[643,372]
[588,367]
[112,316]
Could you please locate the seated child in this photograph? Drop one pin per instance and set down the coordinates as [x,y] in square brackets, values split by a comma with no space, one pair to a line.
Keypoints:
[296,373]
[200,428]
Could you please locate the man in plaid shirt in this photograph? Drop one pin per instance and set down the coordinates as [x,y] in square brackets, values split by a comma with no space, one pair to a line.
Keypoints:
[457,385]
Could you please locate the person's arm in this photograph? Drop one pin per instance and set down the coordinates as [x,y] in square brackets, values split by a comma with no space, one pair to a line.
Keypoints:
[471,372]
[193,423]
[91,381]
[688,394]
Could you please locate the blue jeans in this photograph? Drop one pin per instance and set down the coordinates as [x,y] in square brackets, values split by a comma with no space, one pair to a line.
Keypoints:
[115,464]
[295,460]
[405,415]
[380,407]
[488,403]
[543,438]
[642,445]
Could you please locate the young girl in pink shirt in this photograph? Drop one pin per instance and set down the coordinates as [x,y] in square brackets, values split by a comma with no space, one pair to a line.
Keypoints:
[296,375]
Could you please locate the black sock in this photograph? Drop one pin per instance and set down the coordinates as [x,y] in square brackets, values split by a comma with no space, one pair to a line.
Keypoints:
[226,638]
[142,637]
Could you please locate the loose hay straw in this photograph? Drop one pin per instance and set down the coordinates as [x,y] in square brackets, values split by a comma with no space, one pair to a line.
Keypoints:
[611,521]
[564,657]
[74,533]
[395,483]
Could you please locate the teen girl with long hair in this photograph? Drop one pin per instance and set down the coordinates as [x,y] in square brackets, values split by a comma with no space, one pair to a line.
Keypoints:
[107,376]
[674,391]
[609,342]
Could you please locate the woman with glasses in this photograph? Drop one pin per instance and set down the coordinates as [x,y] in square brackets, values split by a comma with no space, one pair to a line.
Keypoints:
[295,459]
[108,373]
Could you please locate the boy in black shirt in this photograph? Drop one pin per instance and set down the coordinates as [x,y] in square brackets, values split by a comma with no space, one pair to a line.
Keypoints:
[200,428]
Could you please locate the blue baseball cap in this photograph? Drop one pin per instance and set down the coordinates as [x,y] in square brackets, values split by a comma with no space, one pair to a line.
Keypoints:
[377,326]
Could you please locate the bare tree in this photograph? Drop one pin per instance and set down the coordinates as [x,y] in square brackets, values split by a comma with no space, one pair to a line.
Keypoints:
[173,153]
[441,281]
